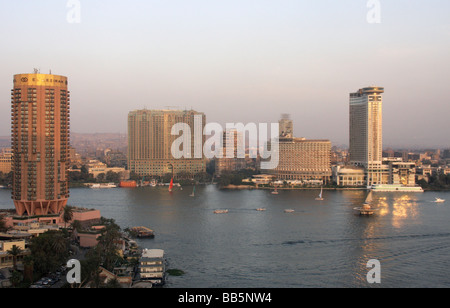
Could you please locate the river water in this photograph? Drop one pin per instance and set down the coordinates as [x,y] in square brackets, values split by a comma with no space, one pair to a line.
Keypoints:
[320,244]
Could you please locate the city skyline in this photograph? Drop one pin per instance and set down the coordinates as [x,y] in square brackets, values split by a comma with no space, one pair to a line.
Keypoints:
[240,62]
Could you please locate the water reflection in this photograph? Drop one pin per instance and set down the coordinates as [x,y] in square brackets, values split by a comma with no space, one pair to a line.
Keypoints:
[404,210]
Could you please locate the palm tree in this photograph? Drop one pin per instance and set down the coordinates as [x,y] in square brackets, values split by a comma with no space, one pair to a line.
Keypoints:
[14,252]
[67,215]
[59,244]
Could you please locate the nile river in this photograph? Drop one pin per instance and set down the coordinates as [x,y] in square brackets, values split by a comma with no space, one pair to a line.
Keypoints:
[321,244]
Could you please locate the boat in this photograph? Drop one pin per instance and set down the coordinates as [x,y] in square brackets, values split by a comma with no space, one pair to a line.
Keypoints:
[289,211]
[320,198]
[152,267]
[366,209]
[128,184]
[275,192]
[439,200]
[143,232]
[193,192]
[395,188]
[261,209]
[104,185]
[220,211]
[153,183]
[171,185]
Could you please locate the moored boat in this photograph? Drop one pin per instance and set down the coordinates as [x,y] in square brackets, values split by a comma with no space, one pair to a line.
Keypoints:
[103,185]
[143,232]
[220,211]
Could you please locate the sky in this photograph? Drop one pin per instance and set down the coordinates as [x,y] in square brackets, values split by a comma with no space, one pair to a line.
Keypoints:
[238,61]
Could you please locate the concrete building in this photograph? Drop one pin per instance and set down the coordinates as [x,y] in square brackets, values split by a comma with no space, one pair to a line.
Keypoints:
[232,139]
[6,259]
[40,105]
[5,160]
[366,132]
[96,167]
[286,127]
[150,142]
[303,159]
[308,161]
[353,176]
[401,172]
[392,171]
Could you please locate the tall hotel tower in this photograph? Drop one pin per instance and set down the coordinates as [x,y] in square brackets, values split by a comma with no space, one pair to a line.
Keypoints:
[150,142]
[366,132]
[40,142]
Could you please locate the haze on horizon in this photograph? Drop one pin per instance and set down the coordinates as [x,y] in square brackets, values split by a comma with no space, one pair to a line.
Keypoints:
[238,61]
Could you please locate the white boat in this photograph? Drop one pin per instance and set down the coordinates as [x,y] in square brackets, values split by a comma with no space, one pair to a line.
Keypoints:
[366,209]
[104,185]
[220,211]
[289,211]
[193,192]
[275,192]
[439,200]
[320,198]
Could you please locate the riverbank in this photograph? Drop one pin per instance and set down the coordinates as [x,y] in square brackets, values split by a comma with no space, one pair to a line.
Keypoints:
[250,187]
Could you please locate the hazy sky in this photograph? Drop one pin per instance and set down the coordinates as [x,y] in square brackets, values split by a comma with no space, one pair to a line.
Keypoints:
[238,61]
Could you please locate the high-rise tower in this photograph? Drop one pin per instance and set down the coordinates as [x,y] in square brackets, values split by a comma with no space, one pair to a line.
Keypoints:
[366,131]
[150,142]
[40,123]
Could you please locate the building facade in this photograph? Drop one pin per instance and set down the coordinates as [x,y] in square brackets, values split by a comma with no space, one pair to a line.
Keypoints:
[286,127]
[40,106]
[232,139]
[304,160]
[366,132]
[5,160]
[150,142]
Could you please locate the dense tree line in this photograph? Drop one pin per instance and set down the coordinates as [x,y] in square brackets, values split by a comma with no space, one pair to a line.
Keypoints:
[234,177]
[436,182]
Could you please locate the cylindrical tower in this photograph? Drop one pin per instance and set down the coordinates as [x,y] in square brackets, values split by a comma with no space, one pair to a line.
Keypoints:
[40,131]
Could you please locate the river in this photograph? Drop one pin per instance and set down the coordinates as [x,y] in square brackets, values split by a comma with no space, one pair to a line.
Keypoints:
[320,244]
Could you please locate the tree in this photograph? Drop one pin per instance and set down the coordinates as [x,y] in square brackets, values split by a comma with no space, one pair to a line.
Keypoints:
[112,177]
[49,251]
[15,278]
[101,178]
[28,268]
[14,252]
[67,215]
